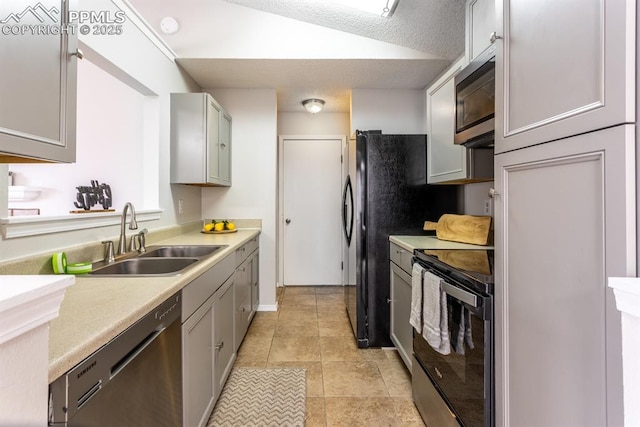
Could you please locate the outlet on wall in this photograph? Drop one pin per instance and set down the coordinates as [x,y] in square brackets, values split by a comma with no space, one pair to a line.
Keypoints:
[180,206]
[488,207]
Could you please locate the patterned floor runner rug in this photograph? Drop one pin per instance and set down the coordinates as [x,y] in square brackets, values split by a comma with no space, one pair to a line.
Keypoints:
[262,397]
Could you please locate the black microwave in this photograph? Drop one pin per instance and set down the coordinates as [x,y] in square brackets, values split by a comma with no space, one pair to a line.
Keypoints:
[475,101]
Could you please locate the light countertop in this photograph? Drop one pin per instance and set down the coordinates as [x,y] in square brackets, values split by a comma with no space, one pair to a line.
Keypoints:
[411,243]
[96,309]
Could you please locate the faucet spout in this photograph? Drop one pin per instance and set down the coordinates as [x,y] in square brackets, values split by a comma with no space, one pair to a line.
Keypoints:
[133,225]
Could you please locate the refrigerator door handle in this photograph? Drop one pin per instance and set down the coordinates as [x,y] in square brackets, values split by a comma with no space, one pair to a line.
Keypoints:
[347,225]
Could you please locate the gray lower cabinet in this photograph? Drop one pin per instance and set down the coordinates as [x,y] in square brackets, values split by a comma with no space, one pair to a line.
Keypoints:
[217,308]
[401,329]
[255,283]
[564,223]
[245,299]
[198,384]
[223,336]
[38,91]
[242,302]
[207,340]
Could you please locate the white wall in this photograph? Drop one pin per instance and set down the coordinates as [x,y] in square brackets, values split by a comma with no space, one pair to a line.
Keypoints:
[109,130]
[393,111]
[475,196]
[254,175]
[313,124]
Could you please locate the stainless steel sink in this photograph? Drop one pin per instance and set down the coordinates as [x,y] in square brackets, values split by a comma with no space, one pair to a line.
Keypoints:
[157,261]
[182,251]
[146,267]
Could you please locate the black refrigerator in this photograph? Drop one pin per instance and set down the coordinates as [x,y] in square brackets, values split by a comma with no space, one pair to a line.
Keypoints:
[390,196]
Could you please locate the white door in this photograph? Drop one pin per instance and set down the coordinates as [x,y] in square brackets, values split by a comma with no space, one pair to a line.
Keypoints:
[311,211]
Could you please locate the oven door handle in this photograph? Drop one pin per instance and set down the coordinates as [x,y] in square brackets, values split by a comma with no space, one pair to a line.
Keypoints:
[454,291]
[460,294]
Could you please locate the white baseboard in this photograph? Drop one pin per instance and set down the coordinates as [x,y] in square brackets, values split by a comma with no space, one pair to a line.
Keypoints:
[264,307]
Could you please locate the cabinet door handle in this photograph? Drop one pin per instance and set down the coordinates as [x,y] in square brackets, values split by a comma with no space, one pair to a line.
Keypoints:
[78,53]
[218,347]
[493,37]
[493,193]
[223,145]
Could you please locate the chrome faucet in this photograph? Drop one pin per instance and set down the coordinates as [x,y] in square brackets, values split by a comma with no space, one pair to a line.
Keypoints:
[133,225]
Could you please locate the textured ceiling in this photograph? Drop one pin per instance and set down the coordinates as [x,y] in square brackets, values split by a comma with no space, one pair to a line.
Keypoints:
[434,26]
[431,31]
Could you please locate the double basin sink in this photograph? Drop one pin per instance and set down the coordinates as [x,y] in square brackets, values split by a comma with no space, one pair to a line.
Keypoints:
[158,261]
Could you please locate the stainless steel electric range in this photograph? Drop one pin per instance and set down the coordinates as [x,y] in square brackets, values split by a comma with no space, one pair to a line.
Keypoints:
[457,389]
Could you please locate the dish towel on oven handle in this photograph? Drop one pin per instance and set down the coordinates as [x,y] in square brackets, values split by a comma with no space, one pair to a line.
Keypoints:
[435,327]
[464,334]
[415,318]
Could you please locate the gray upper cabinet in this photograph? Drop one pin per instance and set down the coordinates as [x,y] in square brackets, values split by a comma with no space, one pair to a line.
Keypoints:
[445,160]
[200,141]
[448,162]
[224,152]
[480,22]
[38,85]
[563,69]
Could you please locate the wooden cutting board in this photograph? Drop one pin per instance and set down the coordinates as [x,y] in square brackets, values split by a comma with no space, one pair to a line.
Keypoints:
[462,228]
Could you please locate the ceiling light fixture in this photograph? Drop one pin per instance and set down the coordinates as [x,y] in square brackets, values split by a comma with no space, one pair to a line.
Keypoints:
[383,8]
[313,105]
[169,25]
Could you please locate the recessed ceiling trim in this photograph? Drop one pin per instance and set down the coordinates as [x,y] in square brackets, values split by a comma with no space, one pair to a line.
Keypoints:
[145,28]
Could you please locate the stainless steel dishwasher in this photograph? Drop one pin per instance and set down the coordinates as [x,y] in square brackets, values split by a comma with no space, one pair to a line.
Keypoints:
[133,380]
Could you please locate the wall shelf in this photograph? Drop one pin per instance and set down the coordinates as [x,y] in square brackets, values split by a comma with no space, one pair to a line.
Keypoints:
[19,193]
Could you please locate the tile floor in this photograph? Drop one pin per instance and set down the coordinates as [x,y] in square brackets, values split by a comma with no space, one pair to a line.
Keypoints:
[346,386]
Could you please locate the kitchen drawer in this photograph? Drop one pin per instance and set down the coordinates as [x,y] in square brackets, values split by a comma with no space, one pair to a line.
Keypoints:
[401,257]
[243,252]
[202,287]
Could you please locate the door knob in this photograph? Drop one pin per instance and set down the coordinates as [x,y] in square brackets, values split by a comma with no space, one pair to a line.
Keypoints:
[288,220]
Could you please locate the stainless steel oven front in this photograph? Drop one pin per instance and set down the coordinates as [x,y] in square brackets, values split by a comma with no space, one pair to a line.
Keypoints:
[457,389]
